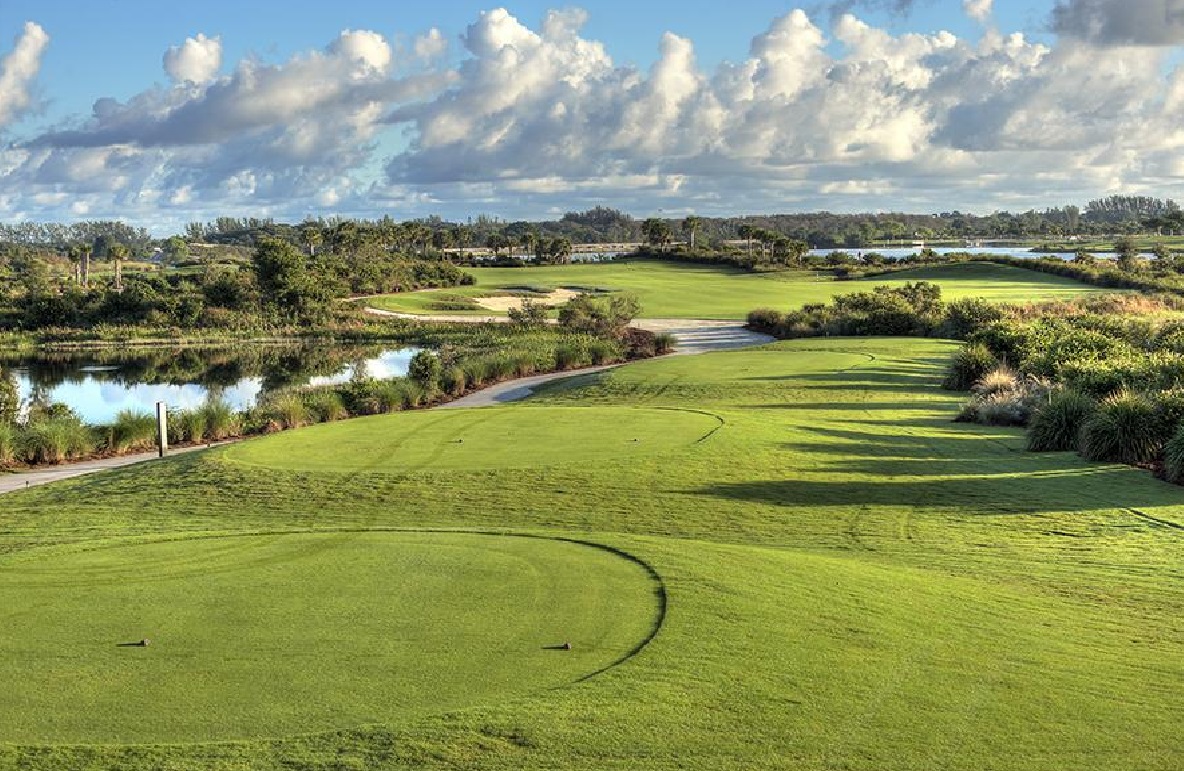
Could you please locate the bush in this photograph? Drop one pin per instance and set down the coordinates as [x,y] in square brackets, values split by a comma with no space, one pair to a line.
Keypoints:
[191,425]
[1124,429]
[965,317]
[766,320]
[324,405]
[286,410]
[1173,457]
[969,365]
[55,439]
[1003,408]
[8,443]
[132,431]
[1056,426]
[454,381]
[222,422]
[425,369]
[999,380]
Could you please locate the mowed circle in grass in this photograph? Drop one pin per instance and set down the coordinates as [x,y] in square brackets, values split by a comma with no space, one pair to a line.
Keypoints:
[263,636]
[502,437]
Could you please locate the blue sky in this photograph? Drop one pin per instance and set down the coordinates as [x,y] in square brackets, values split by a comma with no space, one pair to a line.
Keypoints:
[747,106]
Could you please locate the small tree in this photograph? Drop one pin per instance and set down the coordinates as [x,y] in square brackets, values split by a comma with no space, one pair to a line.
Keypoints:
[1128,254]
[425,369]
[605,317]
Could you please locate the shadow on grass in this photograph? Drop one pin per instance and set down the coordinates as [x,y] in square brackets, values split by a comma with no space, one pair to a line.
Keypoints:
[1082,489]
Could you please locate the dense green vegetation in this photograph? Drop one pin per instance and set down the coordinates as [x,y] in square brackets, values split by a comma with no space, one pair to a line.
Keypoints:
[851,580]
[462,358]
[679,290]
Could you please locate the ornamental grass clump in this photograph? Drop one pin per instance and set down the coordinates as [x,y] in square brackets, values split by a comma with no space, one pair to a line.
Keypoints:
[56,439]
[1173,457]
[132,430]
[968,366]
[1056,425]
[222,421]
[1124,429]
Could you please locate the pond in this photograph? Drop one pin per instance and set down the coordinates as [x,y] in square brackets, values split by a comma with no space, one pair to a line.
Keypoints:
[898,253]
[97,385]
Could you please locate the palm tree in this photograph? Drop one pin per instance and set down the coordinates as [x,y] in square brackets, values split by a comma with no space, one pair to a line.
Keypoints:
[691,226]
[747,232]
[118,252]
[80,253]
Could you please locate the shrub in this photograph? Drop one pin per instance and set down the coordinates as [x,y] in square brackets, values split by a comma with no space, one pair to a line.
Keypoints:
[192,425]
[1173,457]
[664,343]
[361,396]
[1056,426]
[1003,408]
[324,405]
[454,381]
[964,317]
[998,380]
[425,369]
[969,365]
[1124,429]
[287,409]
[8,443]
[55,439]
[222,422]
[132,431]
[766,320]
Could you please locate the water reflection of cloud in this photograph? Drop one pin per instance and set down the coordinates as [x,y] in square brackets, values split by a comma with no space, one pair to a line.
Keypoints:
[99,401]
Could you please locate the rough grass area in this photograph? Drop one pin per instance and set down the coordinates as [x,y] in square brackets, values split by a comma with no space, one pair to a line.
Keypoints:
[851,581]
[680,290]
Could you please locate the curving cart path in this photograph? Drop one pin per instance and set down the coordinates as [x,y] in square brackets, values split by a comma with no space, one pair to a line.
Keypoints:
[693,336]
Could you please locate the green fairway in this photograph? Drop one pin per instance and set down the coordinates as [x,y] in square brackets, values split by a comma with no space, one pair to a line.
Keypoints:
[682,290]
[849,580]
[273,635]
[482,439]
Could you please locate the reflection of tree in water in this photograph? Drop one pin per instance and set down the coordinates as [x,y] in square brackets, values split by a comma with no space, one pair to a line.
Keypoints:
[278,366]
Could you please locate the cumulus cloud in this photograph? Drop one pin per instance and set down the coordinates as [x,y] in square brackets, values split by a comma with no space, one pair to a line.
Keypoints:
[979,10]
[197,60]
[17,71]
[1121,22]
[525,120]
[430,45]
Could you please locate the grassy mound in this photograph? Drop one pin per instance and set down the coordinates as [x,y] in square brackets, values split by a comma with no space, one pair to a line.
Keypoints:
[517,437]
[258,636]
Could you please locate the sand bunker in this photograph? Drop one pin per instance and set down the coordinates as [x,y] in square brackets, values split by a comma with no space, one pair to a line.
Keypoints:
[503,304]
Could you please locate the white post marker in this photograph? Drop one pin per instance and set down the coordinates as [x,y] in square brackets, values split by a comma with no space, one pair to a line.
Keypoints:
[162,428]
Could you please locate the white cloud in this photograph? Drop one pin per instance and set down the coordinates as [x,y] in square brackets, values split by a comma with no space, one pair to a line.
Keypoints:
[526,120]
[979,10]
[197,60]
[17,71]
[430,45]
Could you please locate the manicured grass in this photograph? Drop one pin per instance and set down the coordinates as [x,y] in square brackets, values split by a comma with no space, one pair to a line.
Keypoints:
[514,437]
[681,290]
[852,581]
[258,636]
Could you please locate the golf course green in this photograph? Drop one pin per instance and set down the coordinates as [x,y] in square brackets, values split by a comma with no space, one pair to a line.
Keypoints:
[687,290]
[265,635]
[848,580]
